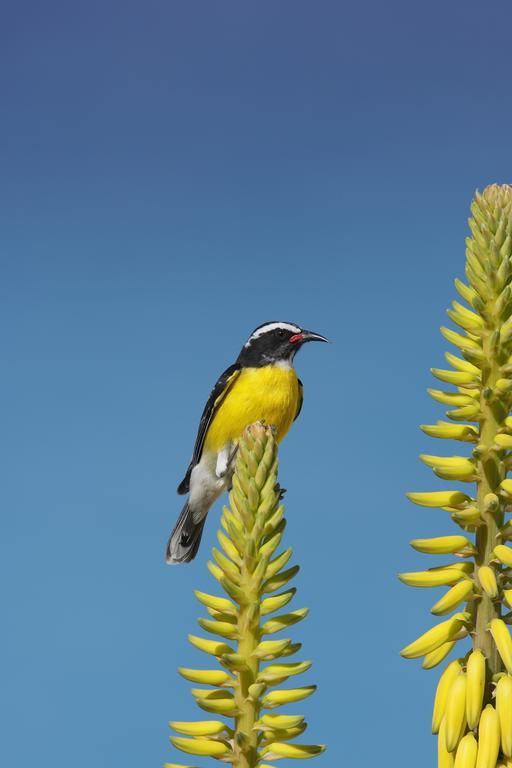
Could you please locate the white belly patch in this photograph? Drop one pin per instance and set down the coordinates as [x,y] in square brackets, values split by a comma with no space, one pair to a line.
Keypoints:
[205,483]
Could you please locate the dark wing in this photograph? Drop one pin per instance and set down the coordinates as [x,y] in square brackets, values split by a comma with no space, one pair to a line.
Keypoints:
[301,398]
[217,395]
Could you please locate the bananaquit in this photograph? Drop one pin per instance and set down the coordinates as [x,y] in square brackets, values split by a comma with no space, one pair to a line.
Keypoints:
[260,386]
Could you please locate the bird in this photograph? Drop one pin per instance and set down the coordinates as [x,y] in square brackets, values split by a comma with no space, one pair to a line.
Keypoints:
[260,386]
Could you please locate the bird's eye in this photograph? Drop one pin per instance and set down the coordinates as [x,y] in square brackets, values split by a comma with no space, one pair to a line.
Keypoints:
[281,333]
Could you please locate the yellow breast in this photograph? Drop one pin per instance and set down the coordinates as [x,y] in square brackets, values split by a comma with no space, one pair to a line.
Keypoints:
[269,394]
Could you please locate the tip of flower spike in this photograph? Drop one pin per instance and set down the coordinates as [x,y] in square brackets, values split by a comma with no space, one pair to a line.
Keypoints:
[259,430]
[497,194]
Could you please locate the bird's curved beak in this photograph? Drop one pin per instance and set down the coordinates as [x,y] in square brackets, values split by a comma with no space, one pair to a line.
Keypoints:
[310,336]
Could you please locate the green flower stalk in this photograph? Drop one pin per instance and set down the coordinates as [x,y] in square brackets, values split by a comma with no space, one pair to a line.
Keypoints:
[473,705]
[243,689]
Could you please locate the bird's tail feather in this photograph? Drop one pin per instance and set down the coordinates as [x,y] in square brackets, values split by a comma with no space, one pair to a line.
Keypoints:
[185,539]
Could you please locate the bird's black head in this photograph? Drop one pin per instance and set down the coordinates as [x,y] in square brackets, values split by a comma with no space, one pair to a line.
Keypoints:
[275,342]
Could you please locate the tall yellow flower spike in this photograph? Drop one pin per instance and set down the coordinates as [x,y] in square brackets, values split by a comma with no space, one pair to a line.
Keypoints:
[243,689]
[473,705]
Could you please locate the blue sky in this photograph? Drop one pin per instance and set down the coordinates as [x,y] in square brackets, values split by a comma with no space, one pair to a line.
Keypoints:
[172,175]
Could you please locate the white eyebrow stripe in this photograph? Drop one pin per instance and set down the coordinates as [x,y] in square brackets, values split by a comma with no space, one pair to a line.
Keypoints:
[271,327]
